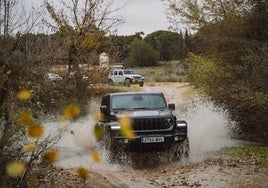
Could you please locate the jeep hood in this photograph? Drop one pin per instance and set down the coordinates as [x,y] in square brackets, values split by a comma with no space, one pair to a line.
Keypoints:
[135,75]
[145,113]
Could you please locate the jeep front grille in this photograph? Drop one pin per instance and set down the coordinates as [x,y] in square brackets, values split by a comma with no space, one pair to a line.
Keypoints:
[150,124]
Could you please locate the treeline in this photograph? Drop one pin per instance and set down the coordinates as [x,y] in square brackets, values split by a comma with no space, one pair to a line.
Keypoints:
[52,49]
[158,46]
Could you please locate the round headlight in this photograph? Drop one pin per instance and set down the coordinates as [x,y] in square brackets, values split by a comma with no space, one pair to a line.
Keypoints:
[168,122]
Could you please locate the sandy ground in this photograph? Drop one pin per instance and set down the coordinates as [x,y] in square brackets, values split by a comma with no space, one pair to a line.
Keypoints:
[207,134]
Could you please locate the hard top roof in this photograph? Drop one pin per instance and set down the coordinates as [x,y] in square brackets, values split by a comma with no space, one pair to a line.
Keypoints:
[136,93]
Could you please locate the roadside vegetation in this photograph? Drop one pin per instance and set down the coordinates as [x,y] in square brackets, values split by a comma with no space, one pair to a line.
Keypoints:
[171,71]
[248,154]
[231,63]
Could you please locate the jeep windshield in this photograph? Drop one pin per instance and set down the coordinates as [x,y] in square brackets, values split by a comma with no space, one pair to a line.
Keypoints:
[138,101]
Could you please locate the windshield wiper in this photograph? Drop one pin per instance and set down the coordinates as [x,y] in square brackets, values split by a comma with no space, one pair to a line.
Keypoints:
[121,108]
[142,108]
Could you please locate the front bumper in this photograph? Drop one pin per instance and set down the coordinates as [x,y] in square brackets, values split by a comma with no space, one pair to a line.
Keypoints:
[137,143]
[136,81]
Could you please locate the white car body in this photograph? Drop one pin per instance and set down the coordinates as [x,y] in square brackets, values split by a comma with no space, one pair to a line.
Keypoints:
[124,76]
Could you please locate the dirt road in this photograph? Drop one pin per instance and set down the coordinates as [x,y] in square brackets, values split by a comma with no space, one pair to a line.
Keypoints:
[207,134]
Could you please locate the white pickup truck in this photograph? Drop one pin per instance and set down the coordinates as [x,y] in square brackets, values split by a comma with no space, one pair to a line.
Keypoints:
[125,76]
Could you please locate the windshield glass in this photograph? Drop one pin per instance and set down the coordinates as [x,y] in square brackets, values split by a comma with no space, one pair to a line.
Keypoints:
[138,101]
[128,72]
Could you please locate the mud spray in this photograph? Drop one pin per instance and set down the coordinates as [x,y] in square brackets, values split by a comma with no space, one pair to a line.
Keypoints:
[207,128]
[77,142]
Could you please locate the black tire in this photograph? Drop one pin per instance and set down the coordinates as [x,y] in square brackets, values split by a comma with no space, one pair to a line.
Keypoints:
[141,84]
[111,150]
[127,82]
[110,82]
[181,150]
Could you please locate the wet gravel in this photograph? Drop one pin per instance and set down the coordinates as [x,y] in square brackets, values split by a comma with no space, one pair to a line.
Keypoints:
[208,173]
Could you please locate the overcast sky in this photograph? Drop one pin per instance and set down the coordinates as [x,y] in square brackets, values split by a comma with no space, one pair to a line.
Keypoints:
[142,15]
[139,15]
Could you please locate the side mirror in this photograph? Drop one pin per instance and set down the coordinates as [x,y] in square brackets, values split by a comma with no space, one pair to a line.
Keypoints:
[171,106]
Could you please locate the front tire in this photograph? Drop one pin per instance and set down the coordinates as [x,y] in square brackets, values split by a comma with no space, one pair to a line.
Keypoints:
[127,82]
[181,150]
[110,82]
[111,149]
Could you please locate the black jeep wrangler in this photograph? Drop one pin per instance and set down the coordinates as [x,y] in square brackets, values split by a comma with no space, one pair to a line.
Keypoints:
[155,127]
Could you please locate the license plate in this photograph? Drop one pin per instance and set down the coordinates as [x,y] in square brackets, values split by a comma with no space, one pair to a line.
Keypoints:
[152,139]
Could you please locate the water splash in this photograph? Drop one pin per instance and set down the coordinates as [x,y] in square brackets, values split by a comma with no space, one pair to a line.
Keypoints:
[208,129]
[77,141]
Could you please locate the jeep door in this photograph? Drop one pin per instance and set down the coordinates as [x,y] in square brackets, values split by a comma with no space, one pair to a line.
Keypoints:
[120,76]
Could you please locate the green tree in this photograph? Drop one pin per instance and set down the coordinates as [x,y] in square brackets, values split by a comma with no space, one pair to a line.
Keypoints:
[167,43]
[119,46]
[142,54]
